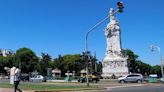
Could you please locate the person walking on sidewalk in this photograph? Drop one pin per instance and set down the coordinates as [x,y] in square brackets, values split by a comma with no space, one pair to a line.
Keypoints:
[17,79]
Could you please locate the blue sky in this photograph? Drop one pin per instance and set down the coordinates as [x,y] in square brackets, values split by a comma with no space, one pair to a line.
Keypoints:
[59,26]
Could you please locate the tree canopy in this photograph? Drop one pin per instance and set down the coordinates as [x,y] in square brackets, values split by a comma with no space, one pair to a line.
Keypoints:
[28,61]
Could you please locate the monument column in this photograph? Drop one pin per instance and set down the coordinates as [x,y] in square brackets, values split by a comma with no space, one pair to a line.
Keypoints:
[114,64]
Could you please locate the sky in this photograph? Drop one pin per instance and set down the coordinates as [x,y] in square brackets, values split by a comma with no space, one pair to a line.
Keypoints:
[59,26]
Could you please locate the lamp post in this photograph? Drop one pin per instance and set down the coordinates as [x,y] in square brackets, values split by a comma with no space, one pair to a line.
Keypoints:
[154,47]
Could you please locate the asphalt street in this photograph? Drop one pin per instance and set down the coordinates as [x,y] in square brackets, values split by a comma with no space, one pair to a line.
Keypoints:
[151,88]
[4,81]
[140,89]
[116,87]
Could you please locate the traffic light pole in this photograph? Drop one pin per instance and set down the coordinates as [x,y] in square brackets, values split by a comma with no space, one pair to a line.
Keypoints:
[87,73]
[86,43]
[86,46]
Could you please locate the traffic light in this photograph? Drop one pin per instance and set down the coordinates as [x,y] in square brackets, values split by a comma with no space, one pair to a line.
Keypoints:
[120,7]
[85,55]
[82,57]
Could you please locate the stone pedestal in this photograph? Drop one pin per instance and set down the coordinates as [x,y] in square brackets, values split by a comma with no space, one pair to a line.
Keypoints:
[114,67]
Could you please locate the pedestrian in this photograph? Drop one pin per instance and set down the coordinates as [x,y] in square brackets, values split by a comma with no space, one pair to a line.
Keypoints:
[17,79]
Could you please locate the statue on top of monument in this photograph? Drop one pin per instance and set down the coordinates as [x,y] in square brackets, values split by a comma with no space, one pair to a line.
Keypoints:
[112,33]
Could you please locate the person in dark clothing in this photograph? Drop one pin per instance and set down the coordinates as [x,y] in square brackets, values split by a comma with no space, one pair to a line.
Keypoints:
[17,80]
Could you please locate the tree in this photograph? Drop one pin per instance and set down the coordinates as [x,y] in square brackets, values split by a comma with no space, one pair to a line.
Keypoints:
[1,64]
[69,62]
[143,68]
[131,59]
[58,62]
[44,63]
[94,66]
[156,70]
[99,67]
[1,53]
[26,59]
[6,62]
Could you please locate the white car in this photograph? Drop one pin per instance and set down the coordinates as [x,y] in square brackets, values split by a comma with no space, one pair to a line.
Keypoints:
[131,78]
[37,78]
[161,80]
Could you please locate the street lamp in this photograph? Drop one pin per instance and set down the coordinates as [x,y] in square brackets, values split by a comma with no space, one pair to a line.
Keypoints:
[153,48]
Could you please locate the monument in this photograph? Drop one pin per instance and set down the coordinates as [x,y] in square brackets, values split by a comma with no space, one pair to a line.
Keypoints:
[114,64]
[12,73]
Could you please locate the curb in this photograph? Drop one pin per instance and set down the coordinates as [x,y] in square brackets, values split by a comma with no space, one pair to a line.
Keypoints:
[66,90]
[109,88]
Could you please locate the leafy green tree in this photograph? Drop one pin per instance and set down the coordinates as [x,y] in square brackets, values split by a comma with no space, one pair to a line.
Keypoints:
[131,59]
[69,62]
[44,63]
[156,70]
[8,61]
[137,66]
[99,67]
[26,59]
[143,68]
[1,64]
[94,66]
[1,53]
[58,62]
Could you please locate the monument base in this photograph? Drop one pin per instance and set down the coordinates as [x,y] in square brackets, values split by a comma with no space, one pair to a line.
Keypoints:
[114,67]
[11,79]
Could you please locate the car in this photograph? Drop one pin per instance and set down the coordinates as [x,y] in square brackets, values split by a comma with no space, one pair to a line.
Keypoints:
[161,80]
[131,78]
[91,78]
[25,77]
[37,78]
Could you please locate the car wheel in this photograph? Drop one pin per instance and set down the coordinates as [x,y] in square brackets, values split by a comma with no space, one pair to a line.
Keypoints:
[122,81]
[139,81]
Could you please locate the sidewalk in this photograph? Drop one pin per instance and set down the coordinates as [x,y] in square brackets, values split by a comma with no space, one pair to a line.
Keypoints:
[11,90]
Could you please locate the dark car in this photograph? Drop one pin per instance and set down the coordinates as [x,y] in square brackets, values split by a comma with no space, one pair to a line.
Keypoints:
[91,78]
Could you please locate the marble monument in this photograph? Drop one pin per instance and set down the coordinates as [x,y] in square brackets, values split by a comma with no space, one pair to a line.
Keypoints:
[114,64]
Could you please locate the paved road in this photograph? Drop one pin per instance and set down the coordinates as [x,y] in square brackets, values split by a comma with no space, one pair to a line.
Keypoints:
[127,87]
[4,81]
[139,89]
[150,88]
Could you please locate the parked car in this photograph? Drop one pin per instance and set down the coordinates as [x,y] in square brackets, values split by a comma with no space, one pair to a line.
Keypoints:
[24,77]
[37,78]
[131,78]
[161,80]
[91,78]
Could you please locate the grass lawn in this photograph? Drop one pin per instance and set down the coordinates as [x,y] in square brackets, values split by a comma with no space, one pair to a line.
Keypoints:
[30,86]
